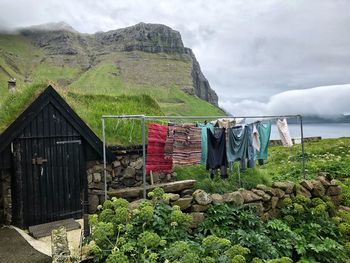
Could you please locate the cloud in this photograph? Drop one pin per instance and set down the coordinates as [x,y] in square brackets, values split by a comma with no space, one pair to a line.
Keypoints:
[319,101]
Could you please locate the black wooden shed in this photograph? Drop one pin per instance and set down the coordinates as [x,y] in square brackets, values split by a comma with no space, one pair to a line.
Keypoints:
[44,152]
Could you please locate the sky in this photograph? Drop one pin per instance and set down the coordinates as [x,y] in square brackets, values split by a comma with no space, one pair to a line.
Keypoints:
[266,56]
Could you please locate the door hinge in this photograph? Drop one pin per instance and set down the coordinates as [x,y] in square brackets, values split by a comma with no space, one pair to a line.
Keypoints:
[67,142]
[39,161]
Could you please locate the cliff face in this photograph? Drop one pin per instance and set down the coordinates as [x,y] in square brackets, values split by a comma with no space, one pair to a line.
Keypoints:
[61,39]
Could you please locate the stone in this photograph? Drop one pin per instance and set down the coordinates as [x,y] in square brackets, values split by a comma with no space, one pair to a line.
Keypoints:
[129,172]
[89,178]
[98,186]
[279,192]
[201,197]
[135,204]
[125,162]
[336,199]
[250,196]
[116,164]
[108,177]
[197,219]
[59,246]
[137,164]
[274,201]
[262,187]
[301,190]
[318,189]
[258,192]
[217,199]
[344,208]
[233,197]
[187,192]
[199,208]
[129,182]
[97,177]
[168,177]
[333,190]
[307,184]
[266,197]
[94,201]
[183,202]
[287,187]
[334,182]
[323,180]
[173,197]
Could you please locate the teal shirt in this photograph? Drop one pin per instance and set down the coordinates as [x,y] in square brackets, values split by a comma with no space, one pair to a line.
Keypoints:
[204,140]
[264,129]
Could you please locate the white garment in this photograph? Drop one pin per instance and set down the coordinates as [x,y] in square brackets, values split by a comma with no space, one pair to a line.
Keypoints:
[256,138]
[227,122]
[283,130]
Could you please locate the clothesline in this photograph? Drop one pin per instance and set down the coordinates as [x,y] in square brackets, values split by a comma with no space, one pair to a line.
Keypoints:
[142,118]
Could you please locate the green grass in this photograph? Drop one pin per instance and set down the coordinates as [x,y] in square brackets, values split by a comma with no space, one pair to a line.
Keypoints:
[47,72]
[327,155]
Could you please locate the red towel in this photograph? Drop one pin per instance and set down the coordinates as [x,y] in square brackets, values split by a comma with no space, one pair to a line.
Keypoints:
[155,160]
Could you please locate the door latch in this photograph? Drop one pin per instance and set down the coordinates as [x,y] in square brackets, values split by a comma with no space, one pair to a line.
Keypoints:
[39,161]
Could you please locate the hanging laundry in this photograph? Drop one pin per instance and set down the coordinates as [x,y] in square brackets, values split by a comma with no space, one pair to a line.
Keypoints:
[216,149]
[155,159]
[187,145]
[283,130]
[204,140]
[250,148]
[169,143]
[227,122]
[256,138]
[264,129]
[237,144]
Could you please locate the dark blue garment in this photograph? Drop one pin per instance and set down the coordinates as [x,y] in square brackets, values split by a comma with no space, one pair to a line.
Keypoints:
[216,156]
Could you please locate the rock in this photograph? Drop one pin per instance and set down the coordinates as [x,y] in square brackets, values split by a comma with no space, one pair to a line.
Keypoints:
[94,201]
[333,190]
[301,190]
[274,201]
[318,189]
[199,208]
[287,187]
[334,182]
[116,164]
[262,187]
[173,197]
[344,208]
[183,202]
[197,219]
[129,182]
[201,197]
[125,162]
[187,192]
[279,192]
[259,192]
[129,172]
[323,180]
[217,198]
[89,178]
[135,204]
[266,197]
[108,178]
[97,177]
[168,177]
[249,196]
[137,164]
[234,197]
[59,246]
[336,199]
[307,184]
[98,186]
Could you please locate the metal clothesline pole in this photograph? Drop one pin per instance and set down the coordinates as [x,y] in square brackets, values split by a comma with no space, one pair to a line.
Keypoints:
[144,117]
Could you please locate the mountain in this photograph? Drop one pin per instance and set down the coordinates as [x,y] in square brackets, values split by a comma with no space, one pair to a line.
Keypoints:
[144,59]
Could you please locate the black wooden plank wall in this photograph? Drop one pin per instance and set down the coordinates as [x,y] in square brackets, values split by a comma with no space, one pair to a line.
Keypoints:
[50,191]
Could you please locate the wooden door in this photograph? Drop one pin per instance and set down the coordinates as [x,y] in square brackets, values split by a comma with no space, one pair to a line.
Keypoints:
[48,172]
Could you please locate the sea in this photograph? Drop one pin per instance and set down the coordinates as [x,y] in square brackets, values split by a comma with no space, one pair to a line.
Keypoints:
[325,130]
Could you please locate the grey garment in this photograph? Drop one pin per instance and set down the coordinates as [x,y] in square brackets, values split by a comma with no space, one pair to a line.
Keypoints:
[237,144]
[250,147]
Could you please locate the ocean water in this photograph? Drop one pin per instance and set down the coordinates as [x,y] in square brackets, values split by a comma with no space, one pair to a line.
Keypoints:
[325,130]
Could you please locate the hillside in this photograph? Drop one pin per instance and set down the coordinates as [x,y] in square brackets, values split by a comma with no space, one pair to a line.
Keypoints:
[145,59]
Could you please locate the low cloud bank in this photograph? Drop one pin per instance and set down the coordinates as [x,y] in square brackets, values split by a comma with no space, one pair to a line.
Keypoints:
[324,101]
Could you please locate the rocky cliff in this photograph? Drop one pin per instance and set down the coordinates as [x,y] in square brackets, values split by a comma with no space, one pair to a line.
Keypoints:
[85,50]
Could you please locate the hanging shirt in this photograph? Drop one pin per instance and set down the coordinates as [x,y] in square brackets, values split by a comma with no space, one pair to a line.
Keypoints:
[155,159]
[237,144]
[283,130]
[216,149]
[204,140]
[256,138]
[264,129]
[250,147]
